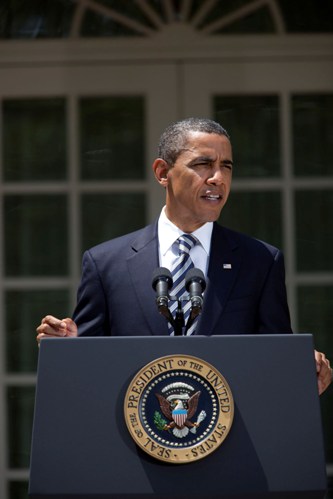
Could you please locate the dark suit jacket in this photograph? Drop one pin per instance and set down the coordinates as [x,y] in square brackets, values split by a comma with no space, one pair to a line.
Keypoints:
[245,291]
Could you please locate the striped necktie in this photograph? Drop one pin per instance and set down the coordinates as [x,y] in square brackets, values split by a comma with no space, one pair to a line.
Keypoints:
[179,270]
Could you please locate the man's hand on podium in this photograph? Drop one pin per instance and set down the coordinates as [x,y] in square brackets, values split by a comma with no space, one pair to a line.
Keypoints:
[324,371]
[51,327]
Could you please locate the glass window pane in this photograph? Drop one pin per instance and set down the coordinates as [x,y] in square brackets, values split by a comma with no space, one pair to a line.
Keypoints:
[34,139]
[313,134]
[253,125]
[315,305]
[96,24]
[257,214]
[20,408]
[314,230]
[18,490]
[36,235]
[112,138]
[24,311]
[105,216]
[35,19]
[312,17]
[259,21]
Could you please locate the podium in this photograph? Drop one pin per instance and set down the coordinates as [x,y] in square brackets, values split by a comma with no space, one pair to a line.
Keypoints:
[81,447]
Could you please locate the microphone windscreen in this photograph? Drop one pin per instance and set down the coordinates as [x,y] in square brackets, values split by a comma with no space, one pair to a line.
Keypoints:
[162,274]
[195,275]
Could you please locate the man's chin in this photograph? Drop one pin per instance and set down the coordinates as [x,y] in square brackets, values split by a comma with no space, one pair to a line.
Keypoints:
[213,217]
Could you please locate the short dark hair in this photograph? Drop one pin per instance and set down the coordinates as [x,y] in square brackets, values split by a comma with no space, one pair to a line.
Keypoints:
[173,140]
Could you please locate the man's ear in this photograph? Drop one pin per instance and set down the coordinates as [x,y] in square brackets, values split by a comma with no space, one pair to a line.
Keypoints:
[161,169]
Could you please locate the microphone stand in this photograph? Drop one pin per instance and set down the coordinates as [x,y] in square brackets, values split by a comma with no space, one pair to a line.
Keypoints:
[195,311]
[178,323]
[162,305]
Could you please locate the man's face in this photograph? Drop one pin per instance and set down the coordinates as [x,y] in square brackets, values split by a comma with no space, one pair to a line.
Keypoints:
[198,185]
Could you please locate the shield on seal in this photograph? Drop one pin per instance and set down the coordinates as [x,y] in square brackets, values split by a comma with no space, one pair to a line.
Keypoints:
[179,416]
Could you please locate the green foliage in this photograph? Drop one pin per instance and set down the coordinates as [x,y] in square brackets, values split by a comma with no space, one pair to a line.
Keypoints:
[160,423]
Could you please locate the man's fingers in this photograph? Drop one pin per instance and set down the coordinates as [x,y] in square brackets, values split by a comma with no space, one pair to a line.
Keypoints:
[324,371]
[69,324]
[54,322]
[70,327]
[48,330]
[53,327]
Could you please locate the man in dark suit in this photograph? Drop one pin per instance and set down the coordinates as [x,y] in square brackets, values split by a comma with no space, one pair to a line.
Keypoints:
[245,277]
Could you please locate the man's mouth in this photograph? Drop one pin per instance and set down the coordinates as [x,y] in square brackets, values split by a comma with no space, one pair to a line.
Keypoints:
[212,197]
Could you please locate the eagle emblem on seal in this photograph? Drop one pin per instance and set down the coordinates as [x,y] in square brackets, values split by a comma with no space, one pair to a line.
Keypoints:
[179,404]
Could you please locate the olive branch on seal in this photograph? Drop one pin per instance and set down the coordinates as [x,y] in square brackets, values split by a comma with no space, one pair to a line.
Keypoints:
[160,423]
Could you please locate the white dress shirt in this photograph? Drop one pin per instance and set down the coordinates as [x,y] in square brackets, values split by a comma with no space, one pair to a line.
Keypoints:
[168,233]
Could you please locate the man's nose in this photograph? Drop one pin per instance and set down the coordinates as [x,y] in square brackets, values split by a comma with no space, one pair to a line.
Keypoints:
[216,177]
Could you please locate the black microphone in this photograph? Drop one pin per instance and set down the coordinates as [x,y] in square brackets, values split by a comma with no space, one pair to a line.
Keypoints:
[162,282]
[195,285]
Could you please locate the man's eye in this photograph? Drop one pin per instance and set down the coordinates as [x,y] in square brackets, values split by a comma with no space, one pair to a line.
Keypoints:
[202,163]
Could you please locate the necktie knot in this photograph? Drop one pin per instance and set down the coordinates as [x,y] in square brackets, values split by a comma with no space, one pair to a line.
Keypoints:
[185,243]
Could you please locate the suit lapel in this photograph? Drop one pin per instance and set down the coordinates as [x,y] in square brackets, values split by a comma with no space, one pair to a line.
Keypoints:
[224,264]
[142,262]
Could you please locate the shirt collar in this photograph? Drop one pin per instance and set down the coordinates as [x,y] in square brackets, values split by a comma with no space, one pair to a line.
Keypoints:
[168,232]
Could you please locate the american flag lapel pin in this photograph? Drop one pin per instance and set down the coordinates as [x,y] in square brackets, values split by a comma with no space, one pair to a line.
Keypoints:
[227,266]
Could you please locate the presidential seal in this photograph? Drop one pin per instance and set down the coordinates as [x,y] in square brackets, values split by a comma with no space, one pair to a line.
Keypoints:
[179,408]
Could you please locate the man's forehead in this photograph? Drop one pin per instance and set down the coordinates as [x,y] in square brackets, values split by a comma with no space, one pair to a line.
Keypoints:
[207,144]
[208,139]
